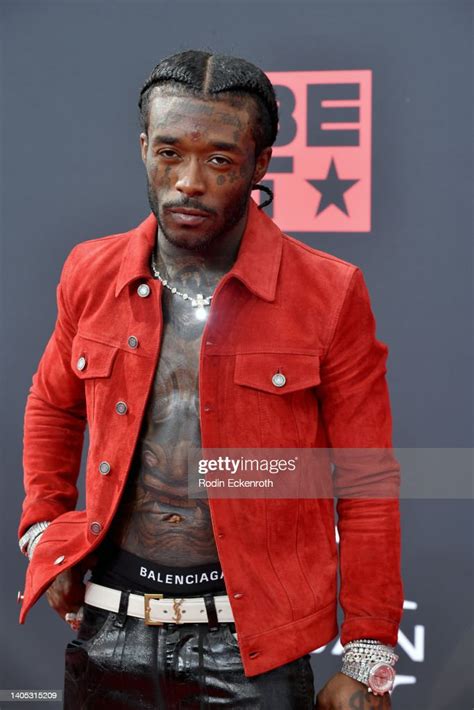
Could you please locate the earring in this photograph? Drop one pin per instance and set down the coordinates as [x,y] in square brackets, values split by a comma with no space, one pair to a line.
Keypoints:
[269,192]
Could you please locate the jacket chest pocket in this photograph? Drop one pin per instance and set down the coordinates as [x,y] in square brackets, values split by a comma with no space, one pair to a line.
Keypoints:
[92,361]
[276,392]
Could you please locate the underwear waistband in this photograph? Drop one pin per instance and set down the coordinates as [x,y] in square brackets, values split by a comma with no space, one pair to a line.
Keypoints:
[121,569]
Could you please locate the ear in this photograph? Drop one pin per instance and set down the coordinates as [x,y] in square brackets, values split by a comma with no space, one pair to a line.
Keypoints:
[261,164]
[143,146]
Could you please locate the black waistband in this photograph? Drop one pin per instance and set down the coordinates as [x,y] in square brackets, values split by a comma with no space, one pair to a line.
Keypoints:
[121,569]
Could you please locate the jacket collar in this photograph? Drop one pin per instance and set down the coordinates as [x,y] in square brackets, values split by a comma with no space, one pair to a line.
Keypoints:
[257,263]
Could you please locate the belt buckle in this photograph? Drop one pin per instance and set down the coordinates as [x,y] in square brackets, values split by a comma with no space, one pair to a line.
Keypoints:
[147,599]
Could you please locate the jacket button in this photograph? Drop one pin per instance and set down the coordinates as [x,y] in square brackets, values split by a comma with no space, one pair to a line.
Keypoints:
[209,343]
[133,342]
[278,379]
[121,407]
[81,363]
[95,528]
[208,408]
[143,290]
[104,467]
[254,654]
[59,560]
[221,535]
[238,595]
[19,597]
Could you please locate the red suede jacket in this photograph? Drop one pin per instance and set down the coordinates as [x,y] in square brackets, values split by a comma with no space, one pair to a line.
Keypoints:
[282,305]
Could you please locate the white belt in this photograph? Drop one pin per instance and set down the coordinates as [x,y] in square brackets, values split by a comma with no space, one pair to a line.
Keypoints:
[155,609]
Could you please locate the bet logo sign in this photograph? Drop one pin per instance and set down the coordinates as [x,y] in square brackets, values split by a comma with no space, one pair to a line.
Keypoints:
[320,170]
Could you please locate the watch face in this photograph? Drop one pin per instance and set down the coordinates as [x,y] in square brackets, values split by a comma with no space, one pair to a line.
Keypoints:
[381,677]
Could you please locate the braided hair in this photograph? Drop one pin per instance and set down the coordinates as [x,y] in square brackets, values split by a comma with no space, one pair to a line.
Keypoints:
[213,76]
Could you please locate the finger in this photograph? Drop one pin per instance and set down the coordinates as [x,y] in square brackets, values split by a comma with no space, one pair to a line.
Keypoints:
[74,625]
[74,619]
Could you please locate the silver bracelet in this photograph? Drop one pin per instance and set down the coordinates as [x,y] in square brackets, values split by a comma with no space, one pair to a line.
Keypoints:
[367,646]
[30,539]
[32,545]
[369,650]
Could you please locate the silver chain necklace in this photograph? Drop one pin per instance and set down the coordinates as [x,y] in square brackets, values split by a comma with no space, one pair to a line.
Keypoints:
[198,303]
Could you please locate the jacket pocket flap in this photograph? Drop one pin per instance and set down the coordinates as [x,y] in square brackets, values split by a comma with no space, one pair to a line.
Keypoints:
[91,358]
[258,370]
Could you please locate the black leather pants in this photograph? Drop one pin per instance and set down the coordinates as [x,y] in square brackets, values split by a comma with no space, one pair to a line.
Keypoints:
[118,662]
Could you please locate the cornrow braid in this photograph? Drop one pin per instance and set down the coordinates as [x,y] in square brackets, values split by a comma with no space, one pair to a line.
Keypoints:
[213,76]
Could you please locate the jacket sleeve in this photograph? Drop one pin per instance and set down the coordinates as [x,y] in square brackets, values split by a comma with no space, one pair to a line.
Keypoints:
[54,423]
[356,411]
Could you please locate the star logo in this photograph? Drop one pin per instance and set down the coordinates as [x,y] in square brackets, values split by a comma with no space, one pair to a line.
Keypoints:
[332,190]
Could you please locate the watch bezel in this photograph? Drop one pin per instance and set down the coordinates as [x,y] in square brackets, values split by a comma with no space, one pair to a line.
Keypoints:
[375,687]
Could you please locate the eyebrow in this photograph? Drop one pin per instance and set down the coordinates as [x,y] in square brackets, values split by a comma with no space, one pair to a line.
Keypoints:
[165,139]
[218,145]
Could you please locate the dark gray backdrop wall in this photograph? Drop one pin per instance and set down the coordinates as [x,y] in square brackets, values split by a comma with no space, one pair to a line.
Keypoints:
[71,171]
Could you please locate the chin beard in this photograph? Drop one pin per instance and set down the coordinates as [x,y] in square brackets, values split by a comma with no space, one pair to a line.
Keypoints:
[184,242]
[177,242]
[206,239]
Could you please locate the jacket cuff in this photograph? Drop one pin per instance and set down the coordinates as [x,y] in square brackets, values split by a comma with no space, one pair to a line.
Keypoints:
[370,627]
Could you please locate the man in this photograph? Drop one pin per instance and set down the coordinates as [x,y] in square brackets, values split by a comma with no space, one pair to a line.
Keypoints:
[206,326]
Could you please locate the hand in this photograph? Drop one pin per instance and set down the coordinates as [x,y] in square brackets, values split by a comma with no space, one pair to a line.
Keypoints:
[344,693]
[66,593]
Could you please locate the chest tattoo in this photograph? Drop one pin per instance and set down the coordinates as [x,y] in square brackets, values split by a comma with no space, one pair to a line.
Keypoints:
[155,519]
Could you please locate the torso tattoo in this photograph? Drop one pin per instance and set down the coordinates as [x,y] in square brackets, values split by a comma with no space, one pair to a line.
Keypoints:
[155,518]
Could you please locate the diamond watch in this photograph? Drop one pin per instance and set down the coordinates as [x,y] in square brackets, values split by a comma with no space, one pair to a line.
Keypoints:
[371,663]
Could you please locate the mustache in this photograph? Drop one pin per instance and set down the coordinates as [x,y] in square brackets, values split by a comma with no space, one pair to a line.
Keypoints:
[189,204]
